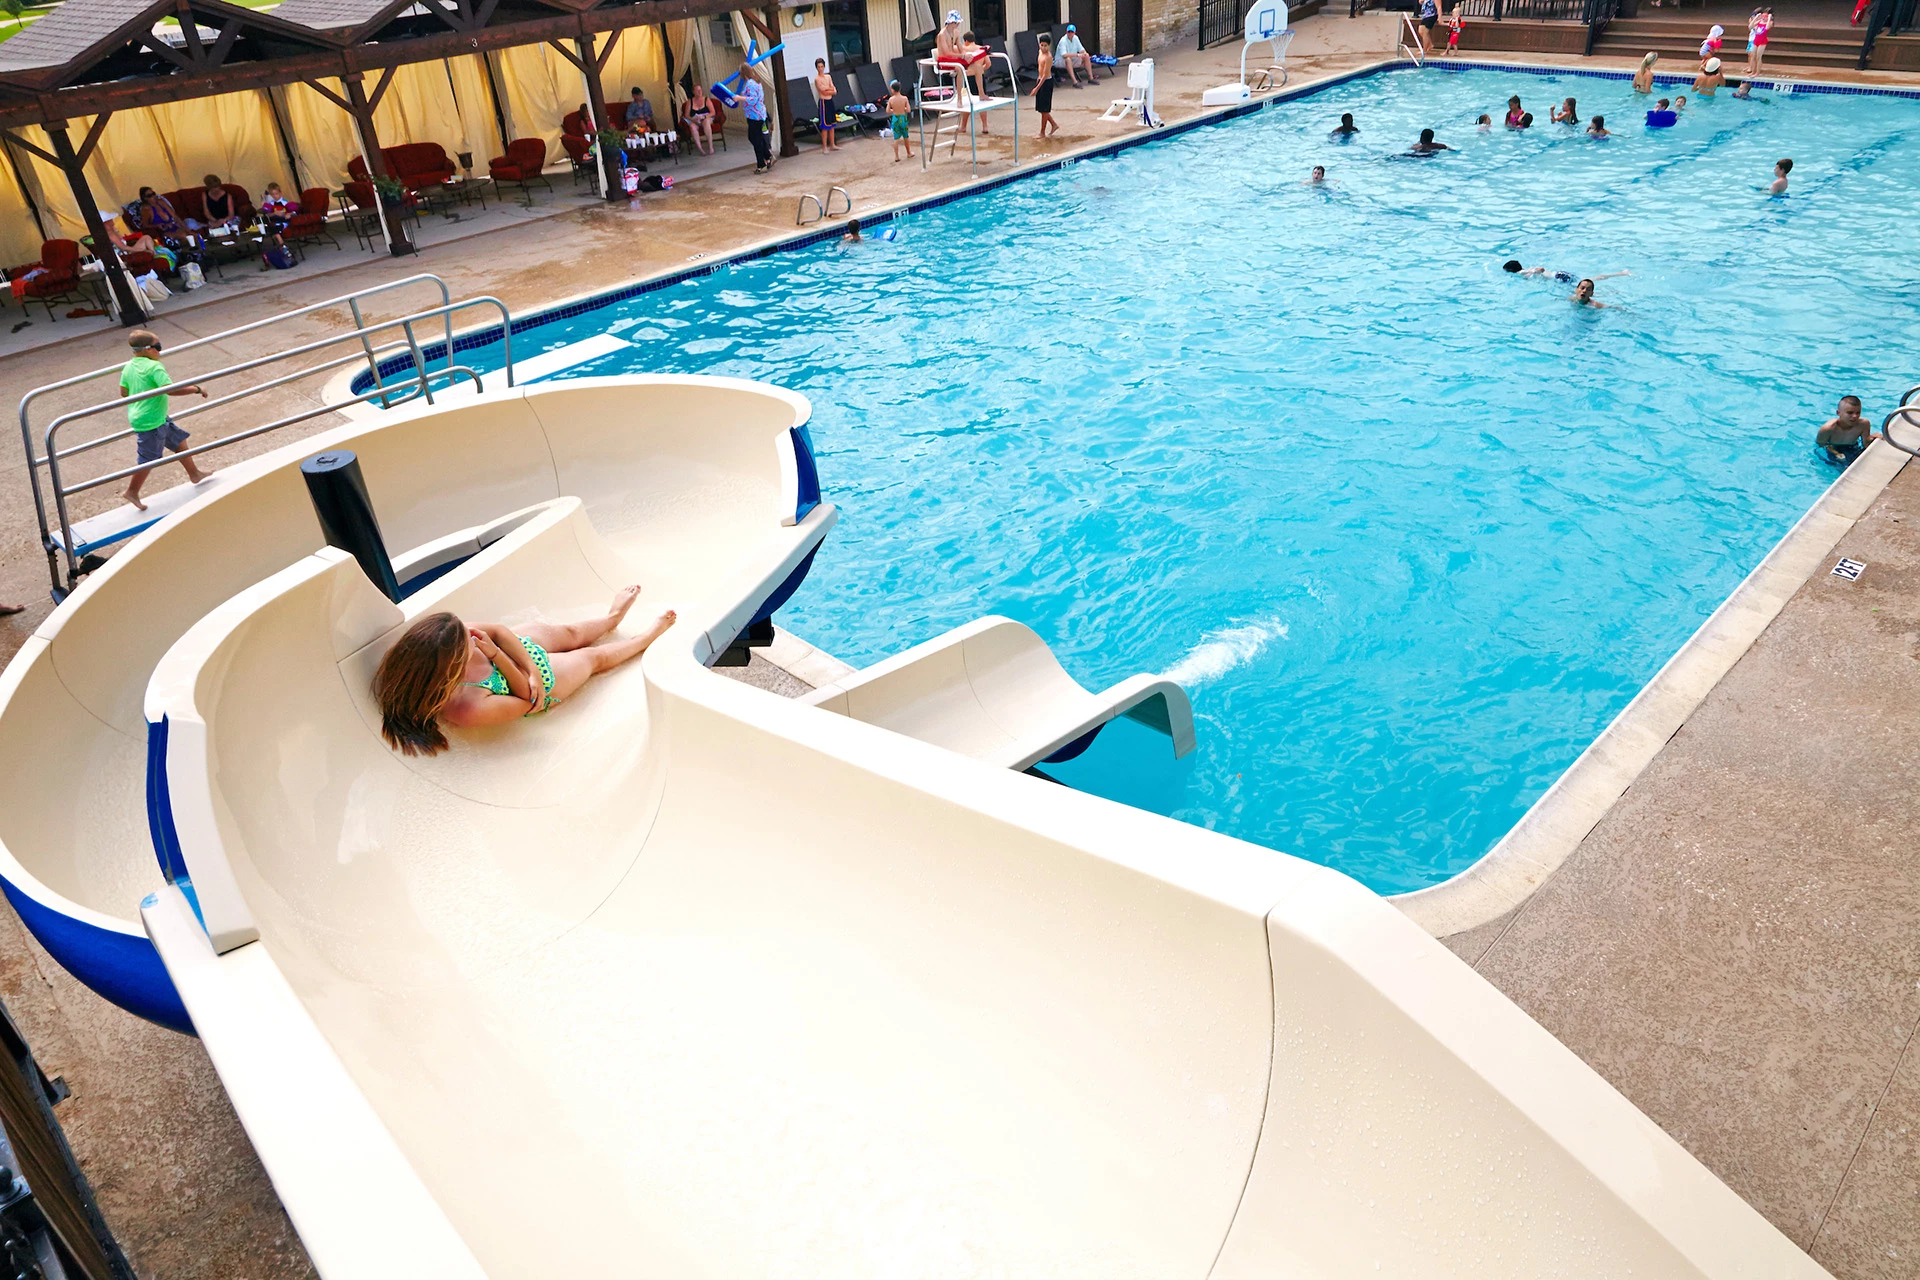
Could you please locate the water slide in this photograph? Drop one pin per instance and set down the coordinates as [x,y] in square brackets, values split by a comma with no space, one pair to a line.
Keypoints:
[684,978]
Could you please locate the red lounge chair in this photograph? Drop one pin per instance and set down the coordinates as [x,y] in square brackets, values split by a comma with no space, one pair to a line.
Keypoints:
[413,164]
[58,278]
[310,223]
[522,167]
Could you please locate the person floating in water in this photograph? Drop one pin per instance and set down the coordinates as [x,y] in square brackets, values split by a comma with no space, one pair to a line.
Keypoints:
[1514,112]
[1781,169]
[1318,177]
[1486,123]
[1513,267]
[441,671]
[1846,435]
[1598,129]
[1566,113]
[853,232]
[1427,146]
[1347,127]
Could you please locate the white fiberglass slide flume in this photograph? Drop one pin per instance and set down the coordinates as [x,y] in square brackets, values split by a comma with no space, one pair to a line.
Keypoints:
[687,979]
[78,840]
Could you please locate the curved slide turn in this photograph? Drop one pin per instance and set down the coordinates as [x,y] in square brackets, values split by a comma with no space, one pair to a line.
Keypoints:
[683,978]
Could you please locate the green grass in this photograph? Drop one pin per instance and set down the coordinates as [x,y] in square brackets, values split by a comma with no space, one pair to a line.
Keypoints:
[32,13]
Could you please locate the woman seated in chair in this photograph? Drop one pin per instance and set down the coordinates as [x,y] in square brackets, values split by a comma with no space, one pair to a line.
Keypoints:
[441,671]
[696,119]
[218,201]
[157,217]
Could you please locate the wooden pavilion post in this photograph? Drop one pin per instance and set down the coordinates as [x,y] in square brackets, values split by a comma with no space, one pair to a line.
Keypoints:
[590,62]
[132,307]
[360,107]
[771,34]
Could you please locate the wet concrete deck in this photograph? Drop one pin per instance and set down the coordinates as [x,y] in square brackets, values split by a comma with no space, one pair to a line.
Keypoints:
[179,1183]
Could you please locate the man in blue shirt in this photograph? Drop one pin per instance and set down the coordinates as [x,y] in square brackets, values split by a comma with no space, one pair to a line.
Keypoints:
[753,102]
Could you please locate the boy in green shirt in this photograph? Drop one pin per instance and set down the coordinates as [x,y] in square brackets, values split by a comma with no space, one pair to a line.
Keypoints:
[149,419]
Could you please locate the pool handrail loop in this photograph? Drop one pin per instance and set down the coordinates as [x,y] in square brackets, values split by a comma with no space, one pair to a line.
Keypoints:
[65,564]
[1907,412]
[800,218]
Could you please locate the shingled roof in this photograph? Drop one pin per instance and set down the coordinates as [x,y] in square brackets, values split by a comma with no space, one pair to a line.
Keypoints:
[77,28]
[337,15]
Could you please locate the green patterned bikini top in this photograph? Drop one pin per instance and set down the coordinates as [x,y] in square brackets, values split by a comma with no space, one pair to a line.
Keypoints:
[496,683]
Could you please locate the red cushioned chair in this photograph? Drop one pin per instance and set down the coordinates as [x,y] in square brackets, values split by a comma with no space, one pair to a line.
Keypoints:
[522,166]
[578,151]
[413,164]
[310,223]
[57,278]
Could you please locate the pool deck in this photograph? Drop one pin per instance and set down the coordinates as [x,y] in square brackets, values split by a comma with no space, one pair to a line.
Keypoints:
[1734,946]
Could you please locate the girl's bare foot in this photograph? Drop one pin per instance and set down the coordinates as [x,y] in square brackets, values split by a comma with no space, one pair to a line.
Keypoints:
[133,500]
[659,627]
[621,603]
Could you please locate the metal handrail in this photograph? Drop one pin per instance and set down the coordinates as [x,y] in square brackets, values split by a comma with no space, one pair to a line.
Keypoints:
[827,207]
[800,218]
[1413,33]
[420,384]
[1907,413]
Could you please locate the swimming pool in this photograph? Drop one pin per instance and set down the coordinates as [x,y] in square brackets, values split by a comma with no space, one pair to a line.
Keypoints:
[1411,530]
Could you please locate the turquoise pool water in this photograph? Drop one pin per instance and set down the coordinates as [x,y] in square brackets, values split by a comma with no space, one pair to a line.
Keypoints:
[1411,530]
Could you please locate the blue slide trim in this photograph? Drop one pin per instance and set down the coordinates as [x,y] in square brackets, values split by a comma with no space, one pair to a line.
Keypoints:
[784,592]
[165,836]
[166,841]
[122,967]
[1077,746]
[809,475]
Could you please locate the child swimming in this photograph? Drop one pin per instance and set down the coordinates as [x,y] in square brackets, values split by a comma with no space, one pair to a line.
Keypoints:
[441,671]
[1845,435]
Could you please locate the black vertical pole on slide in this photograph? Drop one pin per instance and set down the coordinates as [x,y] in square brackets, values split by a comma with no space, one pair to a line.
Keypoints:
[339,494]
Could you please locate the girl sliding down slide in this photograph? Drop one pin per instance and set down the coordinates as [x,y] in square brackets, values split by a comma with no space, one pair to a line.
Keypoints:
[441,670]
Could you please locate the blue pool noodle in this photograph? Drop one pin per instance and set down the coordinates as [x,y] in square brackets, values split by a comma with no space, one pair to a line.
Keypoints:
[721,89]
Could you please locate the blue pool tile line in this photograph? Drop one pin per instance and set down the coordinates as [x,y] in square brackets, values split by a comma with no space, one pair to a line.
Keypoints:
[403,364]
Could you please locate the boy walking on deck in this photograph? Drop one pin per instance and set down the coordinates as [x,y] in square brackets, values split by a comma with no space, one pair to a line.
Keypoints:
[153,426]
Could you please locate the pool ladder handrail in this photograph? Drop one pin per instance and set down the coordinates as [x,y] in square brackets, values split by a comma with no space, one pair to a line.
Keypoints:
[822,208]
[65,565]
[1412,33]
[1907,412]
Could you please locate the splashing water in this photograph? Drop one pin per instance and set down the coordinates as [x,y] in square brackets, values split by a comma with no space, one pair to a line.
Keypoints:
[1221,651]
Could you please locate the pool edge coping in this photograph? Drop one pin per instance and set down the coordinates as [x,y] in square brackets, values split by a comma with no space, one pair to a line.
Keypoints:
[1563,817]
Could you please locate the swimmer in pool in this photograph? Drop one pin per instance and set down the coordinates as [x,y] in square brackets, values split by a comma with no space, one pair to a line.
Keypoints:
[442,671]
[1845,435]
[1513,267]
[1781,169]
[1598,129]
[1486,124]
[1709,78]
[1347,127]
[1317,178]
[1583,294]
[1643,78]
[1427,146]
[1680,104]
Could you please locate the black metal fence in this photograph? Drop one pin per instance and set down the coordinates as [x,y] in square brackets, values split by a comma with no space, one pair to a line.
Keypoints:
[1221,21]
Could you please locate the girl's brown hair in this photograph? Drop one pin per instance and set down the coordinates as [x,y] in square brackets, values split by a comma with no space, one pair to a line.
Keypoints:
[415,680]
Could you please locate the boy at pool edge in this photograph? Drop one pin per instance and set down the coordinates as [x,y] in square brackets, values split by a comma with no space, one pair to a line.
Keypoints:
[1845,435]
